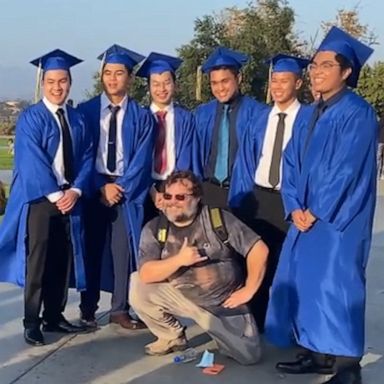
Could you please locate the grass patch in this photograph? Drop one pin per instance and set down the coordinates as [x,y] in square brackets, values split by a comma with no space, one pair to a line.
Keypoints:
[6,159]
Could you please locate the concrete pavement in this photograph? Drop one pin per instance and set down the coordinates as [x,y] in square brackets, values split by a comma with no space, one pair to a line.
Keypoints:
[113,355]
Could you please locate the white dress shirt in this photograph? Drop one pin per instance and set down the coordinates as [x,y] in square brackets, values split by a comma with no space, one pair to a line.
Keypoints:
[169,141]
[102,151]
[263,168]
[58,161]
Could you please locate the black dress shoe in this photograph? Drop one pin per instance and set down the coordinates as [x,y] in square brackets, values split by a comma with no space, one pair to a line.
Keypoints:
[350,375]
[33,336]
[304,364]
[63,326]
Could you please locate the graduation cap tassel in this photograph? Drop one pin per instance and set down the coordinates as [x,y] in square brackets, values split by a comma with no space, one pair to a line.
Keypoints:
[199,79]
[101,66]
[38,83]
[268,96]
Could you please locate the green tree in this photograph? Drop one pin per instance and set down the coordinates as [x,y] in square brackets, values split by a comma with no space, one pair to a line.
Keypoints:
[371,85]
[96,88]
[261,30]
[209,33]
[138,89]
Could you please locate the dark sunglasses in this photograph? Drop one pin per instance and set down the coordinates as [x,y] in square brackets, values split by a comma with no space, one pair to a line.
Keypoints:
[178,196]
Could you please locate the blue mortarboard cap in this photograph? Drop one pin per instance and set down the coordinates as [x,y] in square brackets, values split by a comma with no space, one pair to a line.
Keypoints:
[224,57]
[158,63]
[286,63]
[120,55]
[352,49]
[56,59]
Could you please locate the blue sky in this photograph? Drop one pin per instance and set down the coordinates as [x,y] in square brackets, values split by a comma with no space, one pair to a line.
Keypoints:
[86,27]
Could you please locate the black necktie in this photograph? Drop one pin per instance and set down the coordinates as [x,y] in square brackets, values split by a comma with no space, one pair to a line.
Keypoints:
[111,153]
[274,171]
[67,146]
[320,108]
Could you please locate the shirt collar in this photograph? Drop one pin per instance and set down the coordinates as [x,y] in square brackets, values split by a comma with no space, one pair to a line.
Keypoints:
[105,102]
[53,107]
[234,102]
[295,105]
[332,100]
[154,108]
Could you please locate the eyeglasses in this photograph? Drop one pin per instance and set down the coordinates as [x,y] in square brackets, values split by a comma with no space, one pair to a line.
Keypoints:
[178,196]
[326,66]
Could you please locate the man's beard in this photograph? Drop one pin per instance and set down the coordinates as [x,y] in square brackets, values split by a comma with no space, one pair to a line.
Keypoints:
[181,217]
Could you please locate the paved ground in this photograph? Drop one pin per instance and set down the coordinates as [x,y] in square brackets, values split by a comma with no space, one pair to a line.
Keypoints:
[111,355]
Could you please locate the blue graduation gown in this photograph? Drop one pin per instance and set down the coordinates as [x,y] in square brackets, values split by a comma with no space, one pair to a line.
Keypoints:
[248,156]
[138,140]
[205,115]
[318,294]
[37,140]
[184,136]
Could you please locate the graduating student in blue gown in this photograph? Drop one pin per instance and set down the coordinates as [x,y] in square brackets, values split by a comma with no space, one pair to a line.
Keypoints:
[220,125]
[257,173]
[123,136]
[329,191]
[41,235]
[175,125]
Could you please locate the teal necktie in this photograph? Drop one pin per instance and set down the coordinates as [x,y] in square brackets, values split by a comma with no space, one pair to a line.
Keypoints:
[221,167]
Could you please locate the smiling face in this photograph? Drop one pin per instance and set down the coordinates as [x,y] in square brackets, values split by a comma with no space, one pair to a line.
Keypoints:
[179,211]
[162,88]
[115,79]
[225,84]
[326,75]
[56,84]
[284,87]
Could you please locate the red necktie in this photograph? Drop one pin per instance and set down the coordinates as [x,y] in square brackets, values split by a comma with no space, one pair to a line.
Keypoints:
[160,146]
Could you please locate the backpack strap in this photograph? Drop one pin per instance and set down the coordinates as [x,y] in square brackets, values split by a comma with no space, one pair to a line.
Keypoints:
[162,230]
[218,225]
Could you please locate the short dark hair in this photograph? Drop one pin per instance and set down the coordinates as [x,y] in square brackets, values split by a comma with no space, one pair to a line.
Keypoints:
[233,70]
[176,176]
[129,70]
[69,75]
[343,61]
[173,75]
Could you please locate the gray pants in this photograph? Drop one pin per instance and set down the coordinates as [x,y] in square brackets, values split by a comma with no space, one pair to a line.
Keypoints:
[157,305]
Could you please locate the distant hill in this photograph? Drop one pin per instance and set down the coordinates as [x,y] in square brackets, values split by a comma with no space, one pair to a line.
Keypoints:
[9,110]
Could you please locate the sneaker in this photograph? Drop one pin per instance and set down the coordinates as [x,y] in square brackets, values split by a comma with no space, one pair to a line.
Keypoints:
[163,347]
[88,321]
